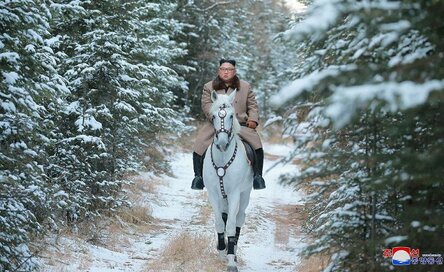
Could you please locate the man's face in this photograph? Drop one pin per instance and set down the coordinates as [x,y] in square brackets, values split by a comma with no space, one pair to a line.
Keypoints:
[227,71]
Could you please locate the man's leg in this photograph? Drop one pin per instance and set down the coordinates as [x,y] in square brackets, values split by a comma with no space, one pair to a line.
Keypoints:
[197,183]
[258,181]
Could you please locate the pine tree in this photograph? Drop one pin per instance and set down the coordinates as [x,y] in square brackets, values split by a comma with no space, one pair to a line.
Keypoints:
[68,141]
[119,67]
[371,89]
[30,87]
[268,57]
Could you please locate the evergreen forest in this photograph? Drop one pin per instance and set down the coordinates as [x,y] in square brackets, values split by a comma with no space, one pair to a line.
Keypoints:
[87,87]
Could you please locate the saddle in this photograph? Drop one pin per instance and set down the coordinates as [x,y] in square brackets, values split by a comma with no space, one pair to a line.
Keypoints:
[251,155]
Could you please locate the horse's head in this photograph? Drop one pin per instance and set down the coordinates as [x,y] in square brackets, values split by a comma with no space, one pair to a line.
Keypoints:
[224,122]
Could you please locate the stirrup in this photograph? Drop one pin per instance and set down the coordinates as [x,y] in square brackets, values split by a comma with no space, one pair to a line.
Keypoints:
[197,183]
[258,182]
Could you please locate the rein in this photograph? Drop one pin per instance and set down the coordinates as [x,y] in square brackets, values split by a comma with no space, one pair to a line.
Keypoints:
[221,171]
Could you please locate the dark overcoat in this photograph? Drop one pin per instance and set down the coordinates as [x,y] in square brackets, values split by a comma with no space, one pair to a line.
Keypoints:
[246,108]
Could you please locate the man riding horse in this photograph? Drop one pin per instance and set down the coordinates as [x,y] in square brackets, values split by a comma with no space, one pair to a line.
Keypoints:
[246,112]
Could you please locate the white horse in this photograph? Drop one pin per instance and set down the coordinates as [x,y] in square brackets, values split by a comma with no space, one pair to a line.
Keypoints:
[227,175]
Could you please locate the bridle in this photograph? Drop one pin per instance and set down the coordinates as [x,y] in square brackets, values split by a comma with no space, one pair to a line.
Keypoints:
[222,113]
[222,170]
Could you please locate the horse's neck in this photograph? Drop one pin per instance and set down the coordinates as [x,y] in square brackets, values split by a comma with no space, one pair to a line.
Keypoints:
[221,158]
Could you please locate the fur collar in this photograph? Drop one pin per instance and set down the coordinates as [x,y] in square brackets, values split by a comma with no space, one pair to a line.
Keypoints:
[218,83]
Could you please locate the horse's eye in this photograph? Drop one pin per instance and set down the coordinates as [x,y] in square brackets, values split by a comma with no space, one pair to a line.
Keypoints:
[231,117]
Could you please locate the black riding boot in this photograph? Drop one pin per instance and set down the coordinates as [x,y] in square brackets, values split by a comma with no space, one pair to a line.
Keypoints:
[258,181]
[197,165]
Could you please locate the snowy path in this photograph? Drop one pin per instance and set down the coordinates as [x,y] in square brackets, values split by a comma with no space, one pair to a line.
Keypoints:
[183,235]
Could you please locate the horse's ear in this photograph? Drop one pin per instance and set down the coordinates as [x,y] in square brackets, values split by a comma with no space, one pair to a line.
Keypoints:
[213,96]
[232,96]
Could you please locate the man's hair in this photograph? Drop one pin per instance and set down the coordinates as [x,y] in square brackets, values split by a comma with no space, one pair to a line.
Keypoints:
[222,61]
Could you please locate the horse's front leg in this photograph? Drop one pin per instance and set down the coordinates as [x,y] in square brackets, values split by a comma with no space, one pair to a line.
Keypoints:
[219,222]
[233,209]
[240,217]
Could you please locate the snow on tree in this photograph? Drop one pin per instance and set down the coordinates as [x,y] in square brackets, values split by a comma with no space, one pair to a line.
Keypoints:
[268,56]
[369,90]
[86,86]
[118,60]
[29,87]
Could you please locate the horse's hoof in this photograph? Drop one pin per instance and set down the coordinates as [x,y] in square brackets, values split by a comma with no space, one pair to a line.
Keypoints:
[232,269]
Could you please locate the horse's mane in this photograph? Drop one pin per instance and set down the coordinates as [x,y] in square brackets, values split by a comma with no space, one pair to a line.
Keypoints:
[221,100]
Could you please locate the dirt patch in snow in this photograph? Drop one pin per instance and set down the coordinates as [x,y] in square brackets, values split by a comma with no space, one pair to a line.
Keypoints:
[288,222]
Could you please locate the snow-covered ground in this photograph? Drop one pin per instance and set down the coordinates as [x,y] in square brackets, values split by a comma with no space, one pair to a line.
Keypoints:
[270,240]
